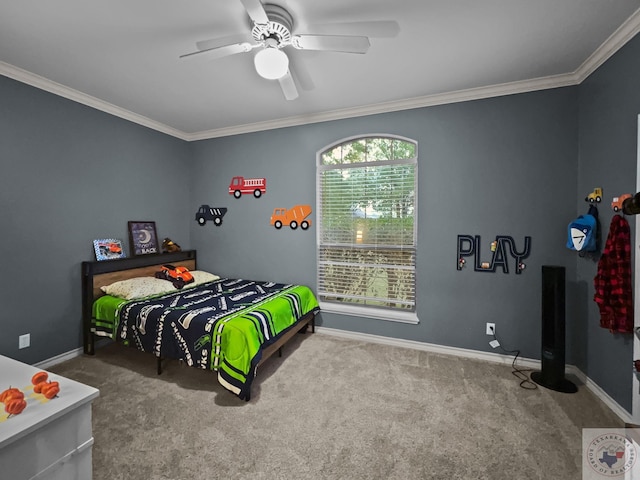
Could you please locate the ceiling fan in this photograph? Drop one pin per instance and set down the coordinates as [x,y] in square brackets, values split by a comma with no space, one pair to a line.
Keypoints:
[273,31]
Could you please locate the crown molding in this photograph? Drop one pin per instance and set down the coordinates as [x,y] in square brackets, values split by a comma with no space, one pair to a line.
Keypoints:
[406,104]
[608,48]
[69,93]
[611,45]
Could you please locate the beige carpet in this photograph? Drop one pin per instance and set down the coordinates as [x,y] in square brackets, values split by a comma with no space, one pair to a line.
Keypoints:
[332,408]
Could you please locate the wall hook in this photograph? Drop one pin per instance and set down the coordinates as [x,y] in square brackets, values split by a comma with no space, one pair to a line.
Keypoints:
[618,202]
[595,196]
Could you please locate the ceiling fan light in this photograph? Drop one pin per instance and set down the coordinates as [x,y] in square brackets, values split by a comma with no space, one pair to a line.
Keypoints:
[271,63]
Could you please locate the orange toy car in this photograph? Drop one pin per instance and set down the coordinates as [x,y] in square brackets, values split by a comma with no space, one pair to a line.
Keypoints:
[179,276]
[618,202]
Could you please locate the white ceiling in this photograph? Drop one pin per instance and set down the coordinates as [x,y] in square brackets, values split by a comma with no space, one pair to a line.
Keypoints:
[122,56]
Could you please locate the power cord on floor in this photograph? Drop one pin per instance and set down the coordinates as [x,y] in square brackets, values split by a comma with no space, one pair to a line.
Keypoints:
[519,373]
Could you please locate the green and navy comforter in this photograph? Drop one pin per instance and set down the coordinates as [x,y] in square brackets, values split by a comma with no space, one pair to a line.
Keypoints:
[221,325]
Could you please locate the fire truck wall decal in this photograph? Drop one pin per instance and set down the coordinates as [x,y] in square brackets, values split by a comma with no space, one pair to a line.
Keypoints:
[240,185]
[293,217]
[205,212]
[469,246]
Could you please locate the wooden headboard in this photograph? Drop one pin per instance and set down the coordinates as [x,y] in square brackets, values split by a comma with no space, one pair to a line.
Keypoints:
[100,273]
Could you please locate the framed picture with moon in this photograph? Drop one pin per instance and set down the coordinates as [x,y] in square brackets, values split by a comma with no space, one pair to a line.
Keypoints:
[143,238]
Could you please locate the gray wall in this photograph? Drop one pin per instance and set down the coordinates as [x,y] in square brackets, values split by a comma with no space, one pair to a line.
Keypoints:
[72,174]
[517,165]
[609,108]
[503,166]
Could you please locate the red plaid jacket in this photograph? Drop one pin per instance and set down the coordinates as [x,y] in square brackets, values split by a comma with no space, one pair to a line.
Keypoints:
[613,287]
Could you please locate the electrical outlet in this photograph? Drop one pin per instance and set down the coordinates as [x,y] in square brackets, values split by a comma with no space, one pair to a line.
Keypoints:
[491,328]
[24,340]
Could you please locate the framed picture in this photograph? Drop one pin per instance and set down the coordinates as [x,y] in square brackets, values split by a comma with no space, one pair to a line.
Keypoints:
[143,238]
[108,249]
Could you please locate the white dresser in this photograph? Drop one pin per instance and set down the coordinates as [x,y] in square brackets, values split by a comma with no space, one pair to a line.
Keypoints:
[49,440]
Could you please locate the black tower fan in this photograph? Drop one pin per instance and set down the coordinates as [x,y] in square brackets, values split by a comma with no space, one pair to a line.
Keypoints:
[553,341]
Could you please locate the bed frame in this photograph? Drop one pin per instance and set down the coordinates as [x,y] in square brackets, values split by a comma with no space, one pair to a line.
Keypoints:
[100,273]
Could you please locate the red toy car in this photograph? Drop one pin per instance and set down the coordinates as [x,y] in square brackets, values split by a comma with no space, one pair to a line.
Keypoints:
[179,276]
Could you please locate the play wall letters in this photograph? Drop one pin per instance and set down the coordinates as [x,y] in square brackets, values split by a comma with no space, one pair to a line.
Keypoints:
[470,246]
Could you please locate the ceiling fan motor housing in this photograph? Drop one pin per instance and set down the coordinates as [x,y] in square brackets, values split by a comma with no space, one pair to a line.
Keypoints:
[278,29]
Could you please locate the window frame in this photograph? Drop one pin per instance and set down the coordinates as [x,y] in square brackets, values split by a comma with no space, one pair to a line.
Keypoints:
[367,311]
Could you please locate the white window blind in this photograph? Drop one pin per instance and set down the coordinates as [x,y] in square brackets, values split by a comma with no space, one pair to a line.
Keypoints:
[367,223]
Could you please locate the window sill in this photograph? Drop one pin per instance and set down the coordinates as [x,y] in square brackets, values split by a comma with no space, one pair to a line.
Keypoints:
[369,312]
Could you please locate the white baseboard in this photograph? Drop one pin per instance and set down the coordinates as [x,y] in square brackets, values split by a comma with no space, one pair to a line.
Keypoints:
[478,355]
[615,407]
[63,357]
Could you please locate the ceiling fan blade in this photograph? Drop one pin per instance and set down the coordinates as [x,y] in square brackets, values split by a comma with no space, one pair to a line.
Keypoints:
[222,41]
[288,86]
[224,51]
[374,29]
[333,43]
[256,11]
[299,70]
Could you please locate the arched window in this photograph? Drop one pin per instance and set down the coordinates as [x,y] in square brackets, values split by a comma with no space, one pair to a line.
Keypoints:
[367,224]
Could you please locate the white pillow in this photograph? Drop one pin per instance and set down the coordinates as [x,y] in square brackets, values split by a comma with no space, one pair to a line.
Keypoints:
[138,287]
[200,276]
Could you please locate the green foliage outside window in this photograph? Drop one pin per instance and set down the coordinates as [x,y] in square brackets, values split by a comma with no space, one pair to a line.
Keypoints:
[367,192]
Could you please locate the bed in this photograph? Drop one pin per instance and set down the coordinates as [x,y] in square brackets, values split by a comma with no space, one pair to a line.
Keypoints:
[227,325]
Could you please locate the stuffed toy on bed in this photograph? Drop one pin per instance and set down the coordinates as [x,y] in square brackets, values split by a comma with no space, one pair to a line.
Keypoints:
[169,246]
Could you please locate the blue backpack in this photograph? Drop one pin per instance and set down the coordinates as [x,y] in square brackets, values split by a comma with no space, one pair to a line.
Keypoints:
[582,232]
